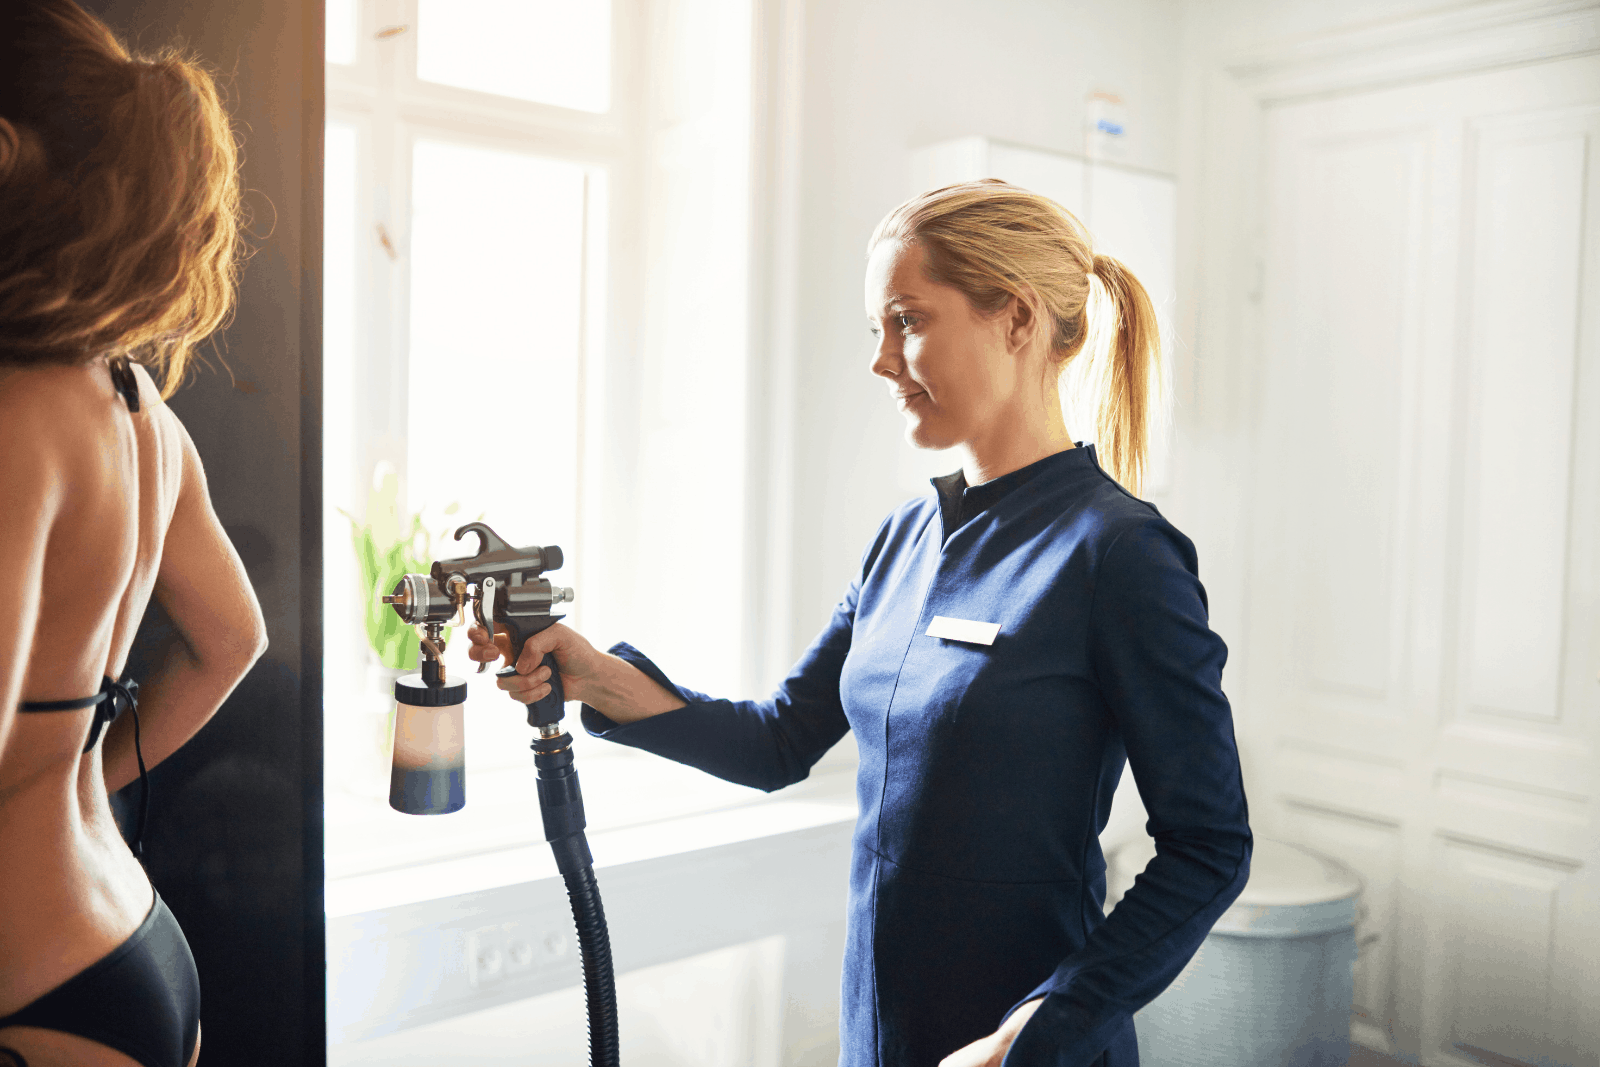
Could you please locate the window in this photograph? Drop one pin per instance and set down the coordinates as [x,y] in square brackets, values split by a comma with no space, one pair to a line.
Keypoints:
[544,51]
[537,261]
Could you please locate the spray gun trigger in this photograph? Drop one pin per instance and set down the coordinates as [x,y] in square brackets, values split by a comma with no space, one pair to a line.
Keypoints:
[484,608]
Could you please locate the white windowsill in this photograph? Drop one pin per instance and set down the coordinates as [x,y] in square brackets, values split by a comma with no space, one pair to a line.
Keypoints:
[638,807]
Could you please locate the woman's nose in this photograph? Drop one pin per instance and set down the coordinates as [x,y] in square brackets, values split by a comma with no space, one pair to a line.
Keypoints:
[887,361]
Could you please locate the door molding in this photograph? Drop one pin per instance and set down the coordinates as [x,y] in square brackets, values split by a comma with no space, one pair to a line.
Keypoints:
[1399,51]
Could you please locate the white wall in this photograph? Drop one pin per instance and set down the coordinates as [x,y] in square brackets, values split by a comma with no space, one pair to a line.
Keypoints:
[880,78]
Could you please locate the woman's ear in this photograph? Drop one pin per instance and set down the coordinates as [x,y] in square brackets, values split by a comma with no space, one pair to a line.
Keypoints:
[1022,324]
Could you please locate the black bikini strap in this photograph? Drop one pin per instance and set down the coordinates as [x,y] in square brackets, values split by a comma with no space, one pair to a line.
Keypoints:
[122,378]
[124,696]
[113,699]
[128,689]
[77,704]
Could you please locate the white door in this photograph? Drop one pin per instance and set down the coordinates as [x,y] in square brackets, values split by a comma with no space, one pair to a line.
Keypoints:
[1422,696]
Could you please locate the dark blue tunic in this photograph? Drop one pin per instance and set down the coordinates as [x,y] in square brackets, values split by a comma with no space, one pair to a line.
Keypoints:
[987,771]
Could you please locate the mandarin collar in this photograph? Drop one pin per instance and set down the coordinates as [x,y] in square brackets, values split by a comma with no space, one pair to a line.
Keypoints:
[976,498]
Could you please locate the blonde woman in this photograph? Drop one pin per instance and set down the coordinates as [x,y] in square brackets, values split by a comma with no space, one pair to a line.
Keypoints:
[1010,640]
[118,204]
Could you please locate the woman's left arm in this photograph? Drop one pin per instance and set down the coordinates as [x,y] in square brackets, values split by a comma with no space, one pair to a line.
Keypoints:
[203,587]
[1159,667]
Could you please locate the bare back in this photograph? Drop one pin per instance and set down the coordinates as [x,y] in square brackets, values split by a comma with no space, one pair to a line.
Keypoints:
[70,890]
[105,545]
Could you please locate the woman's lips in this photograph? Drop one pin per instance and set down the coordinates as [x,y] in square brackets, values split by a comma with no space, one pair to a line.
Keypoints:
[904,400]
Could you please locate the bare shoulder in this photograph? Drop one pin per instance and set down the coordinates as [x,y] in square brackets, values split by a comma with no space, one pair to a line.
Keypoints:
[38,396]
[151,401]
[173,451]
[46,411]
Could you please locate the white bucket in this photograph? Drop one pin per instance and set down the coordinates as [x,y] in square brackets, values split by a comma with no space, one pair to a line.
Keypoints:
[1271,985]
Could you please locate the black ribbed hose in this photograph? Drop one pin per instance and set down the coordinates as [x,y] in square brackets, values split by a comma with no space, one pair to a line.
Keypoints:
[561,807]
[599,985]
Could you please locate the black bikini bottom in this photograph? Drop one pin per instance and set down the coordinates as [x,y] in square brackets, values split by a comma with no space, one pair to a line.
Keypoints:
[142,1000]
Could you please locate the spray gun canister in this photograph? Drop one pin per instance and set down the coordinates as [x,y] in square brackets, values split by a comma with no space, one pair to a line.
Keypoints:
[429,773]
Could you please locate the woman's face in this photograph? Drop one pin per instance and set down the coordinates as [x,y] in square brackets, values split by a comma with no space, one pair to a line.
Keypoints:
[950,369]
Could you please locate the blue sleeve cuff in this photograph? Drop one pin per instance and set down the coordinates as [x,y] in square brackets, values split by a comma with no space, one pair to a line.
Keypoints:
[599,725]
[744,742]
[1063,1034]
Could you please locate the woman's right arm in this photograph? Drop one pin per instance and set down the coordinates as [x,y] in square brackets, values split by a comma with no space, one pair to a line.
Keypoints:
[765,744]
[203,588]
[609,684]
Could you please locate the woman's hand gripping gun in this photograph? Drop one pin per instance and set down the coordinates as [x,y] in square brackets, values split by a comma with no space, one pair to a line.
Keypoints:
[504,587]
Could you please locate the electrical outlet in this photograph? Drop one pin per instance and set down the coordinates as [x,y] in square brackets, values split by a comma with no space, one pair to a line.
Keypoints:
[486,955]
[519,955]
[554,944]
[511,950]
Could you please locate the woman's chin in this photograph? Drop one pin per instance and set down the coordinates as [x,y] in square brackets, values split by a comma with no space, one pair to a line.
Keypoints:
[920,435]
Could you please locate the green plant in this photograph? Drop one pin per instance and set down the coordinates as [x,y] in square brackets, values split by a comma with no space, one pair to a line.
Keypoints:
[386,552]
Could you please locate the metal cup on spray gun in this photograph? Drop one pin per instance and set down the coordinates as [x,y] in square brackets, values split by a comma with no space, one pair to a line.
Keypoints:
[504,587]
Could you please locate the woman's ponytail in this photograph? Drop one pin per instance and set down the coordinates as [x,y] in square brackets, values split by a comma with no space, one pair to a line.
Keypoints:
[1127,406]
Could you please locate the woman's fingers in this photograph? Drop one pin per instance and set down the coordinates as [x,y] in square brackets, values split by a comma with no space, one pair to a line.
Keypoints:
[575,658]
[527,688]
[519,681]
[482,649]
[537,647]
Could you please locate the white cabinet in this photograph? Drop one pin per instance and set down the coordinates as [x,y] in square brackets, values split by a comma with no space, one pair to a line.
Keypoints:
[1060,177]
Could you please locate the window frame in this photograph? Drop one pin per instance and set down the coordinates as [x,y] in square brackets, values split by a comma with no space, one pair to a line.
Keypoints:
[380,94]
[391,109]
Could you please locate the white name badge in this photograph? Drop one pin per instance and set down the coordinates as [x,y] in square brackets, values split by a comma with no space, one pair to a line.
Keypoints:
[975,633]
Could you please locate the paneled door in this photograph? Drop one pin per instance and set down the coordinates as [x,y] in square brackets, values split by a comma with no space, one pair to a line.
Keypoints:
[1422,693]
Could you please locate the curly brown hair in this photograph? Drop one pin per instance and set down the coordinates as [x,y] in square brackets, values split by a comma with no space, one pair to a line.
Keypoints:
[119,196]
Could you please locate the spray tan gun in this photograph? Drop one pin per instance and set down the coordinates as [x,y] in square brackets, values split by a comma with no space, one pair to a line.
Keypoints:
[504,587]
[507,593]
[506,590]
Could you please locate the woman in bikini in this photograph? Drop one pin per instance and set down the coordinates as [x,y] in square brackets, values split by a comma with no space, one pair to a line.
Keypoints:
[118,232]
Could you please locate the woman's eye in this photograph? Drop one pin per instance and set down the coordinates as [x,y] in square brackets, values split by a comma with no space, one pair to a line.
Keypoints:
[905,322]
